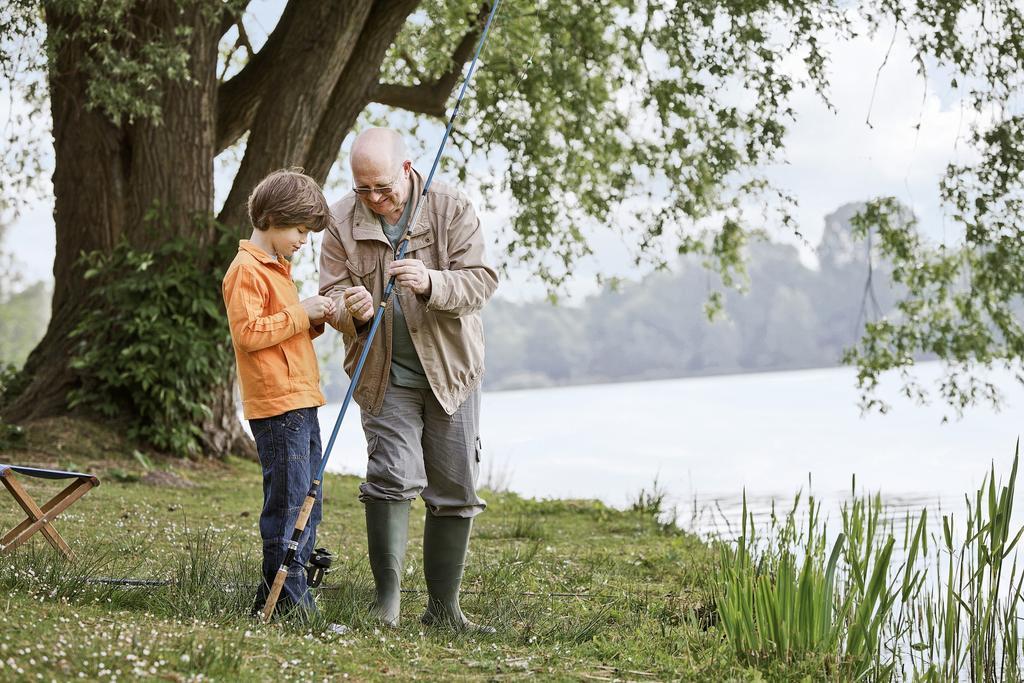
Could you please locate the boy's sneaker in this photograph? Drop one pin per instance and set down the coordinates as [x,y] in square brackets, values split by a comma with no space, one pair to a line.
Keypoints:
[337,629]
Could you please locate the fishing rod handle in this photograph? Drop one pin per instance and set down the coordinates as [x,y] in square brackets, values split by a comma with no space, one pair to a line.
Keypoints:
[289,556]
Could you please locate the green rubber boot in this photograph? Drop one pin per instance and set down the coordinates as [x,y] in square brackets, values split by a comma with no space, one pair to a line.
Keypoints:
[445,542]
[387,531]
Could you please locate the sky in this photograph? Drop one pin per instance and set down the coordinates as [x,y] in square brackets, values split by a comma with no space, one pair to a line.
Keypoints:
[831,158]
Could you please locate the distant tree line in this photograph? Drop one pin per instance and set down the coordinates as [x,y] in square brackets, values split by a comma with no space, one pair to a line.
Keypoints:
[790,317]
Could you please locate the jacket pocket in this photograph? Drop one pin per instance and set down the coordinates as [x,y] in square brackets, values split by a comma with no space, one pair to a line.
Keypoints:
[291,348]
[362,273]
[273,362]
[422,247]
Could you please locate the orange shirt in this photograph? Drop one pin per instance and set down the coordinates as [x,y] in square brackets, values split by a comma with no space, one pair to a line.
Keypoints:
[272,335]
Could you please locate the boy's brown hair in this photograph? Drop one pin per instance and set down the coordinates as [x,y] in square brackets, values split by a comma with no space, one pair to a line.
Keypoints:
[286,198]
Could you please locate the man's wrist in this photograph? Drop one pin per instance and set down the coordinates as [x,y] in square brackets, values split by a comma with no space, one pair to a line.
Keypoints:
[428,287]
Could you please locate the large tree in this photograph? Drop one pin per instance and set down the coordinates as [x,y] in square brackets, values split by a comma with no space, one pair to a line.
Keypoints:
[655,119]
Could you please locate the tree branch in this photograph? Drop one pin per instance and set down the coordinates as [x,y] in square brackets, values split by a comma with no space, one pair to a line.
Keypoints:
[243,38]
[352,91]
[432,98]
[231,15]
[425,98]
[300,84]
[242,41]
[239,97]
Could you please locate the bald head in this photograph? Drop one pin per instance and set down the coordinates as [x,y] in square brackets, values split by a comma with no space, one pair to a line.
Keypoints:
[379,159]
[378,151]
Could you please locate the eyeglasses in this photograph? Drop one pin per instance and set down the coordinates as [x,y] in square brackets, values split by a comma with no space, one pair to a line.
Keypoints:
[381,189]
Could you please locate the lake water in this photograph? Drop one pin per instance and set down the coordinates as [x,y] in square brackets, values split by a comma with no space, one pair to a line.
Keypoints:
[709,439]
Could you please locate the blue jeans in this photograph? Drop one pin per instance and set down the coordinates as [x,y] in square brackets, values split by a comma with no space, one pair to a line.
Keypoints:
[290,451]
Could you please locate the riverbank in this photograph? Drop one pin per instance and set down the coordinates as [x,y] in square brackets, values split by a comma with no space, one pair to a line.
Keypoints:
[577,590]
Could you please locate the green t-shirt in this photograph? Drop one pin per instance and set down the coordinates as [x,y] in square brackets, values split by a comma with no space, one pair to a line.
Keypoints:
[406,369]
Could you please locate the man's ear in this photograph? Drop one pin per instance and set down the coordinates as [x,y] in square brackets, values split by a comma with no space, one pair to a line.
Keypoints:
[407,166]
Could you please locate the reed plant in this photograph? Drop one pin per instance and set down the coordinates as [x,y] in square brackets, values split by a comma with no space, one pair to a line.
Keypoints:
[968,627]
[871,608]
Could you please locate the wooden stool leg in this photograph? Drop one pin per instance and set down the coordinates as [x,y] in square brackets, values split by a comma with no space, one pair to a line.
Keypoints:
[20,496]
[56,500]
[41,518]
[15,532]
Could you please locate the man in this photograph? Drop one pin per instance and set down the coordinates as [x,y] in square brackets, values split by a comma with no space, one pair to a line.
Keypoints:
[420,388]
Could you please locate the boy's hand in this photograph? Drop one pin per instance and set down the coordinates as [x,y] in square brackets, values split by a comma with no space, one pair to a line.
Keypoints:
[318,308]
[411,273]
[359,303]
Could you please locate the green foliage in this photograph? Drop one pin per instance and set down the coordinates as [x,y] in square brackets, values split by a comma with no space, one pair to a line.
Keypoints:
[631,131]
[25,313]
[129,63]
[153,342]
[654,120]
[24,310]
[11,436]
[22,165]
[659,122]
[965,306]
[650,503]
[784,608]
[964,299]
[12,383]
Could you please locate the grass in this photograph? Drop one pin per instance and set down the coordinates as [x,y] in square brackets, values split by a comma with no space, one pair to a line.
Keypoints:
[577,590]
[650,502]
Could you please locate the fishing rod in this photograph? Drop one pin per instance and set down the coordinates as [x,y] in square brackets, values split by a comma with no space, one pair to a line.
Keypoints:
[307,505]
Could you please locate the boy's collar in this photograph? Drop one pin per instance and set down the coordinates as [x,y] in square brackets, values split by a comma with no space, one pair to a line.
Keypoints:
[257,253]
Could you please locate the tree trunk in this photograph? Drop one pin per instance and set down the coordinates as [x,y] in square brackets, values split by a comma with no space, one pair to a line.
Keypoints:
[108,176]
[222,433]
[298,98]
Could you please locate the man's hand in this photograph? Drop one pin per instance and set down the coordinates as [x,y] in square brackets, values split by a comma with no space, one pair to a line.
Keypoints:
[411,273]
[318,308]
[359,303]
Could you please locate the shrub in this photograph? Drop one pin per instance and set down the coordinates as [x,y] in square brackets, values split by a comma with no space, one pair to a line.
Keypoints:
[154,342]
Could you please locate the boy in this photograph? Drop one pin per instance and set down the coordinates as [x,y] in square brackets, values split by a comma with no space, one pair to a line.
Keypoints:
[272,333]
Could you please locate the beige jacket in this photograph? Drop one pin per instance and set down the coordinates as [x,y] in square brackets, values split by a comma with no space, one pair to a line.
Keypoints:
[446,328]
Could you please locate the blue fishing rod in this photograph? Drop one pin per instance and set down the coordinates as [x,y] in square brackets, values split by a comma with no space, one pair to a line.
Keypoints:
[314,488]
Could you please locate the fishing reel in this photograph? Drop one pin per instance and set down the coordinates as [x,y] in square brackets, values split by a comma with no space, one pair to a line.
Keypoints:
[319,564]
